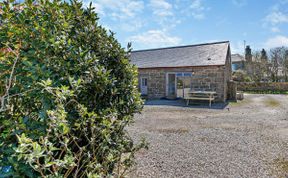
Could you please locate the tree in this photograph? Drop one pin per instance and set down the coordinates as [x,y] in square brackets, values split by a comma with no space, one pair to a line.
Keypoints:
[277,62]
[259,67]
[67,90]
[248,54]
[285,64]
[241,76]
[264,56]
[266,64]
[256,64]
[262,63]
[248,61]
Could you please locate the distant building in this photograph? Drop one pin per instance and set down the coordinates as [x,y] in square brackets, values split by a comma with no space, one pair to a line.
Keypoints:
[237,62]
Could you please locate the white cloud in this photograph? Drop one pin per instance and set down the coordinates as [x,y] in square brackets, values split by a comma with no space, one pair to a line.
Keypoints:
[132,25]
[197,9]
[119,9]
[125,13]
[276,41]
[153,39]
[237,47]
[161,8]
[196,4]
[194,8]
[239,3]
[276,17]
[163,14]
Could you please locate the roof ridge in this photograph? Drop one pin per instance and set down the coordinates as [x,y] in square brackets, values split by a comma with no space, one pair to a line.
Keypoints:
[183,46]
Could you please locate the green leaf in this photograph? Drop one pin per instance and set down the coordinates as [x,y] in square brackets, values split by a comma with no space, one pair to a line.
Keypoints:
[71,83]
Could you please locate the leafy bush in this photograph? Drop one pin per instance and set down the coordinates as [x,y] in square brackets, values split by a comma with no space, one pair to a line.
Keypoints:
[67,93]
[241,76]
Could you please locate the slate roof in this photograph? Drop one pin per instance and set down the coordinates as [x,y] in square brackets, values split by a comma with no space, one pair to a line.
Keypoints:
[237,58]
[182,56]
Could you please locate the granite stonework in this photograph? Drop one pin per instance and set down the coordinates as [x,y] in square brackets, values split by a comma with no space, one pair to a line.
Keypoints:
[207,78]
[208,65]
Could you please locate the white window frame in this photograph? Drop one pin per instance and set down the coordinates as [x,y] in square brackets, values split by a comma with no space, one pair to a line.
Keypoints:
[167,80]
[176,73]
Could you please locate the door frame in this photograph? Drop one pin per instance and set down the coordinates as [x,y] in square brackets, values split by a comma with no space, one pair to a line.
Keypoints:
[167,83]
[141,78]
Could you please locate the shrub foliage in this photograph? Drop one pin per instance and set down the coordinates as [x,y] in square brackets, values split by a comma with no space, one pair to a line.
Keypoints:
[67,93]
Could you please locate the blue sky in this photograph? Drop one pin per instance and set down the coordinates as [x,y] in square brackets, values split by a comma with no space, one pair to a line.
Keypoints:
[161,23]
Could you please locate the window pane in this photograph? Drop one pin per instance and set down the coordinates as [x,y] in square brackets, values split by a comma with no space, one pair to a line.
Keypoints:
[187,74]
[144,81]
[180,74]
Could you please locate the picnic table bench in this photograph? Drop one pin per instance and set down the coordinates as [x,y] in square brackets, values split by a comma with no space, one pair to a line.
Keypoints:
[200,95]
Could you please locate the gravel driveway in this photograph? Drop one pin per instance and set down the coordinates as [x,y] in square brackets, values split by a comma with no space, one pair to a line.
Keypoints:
[245,139]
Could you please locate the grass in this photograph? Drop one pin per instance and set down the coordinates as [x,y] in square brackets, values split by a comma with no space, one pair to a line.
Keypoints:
[204,139]
[282,164]
[272,103]
[239,102]
[269,102]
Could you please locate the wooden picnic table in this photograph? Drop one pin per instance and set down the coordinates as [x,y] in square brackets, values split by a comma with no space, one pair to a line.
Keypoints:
[201,95]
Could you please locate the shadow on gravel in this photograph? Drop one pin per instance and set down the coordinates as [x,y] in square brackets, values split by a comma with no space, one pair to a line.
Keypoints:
[182,103]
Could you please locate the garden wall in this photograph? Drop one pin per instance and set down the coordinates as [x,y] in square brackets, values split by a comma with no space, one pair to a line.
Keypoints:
[263,87]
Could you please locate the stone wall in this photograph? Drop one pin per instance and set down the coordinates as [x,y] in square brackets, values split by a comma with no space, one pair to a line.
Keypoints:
[227,74]
[156,82]
[262,87]
[232,90]
[210,78]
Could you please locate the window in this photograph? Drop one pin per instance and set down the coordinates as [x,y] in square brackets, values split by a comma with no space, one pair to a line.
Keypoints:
[184,74]
[179,74]
[187,74]
[144,81]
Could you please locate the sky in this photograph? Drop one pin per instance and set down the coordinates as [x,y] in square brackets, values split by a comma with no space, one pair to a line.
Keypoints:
[163,23]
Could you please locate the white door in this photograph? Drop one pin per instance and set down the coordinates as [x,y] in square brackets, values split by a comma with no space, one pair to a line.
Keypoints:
[144,88]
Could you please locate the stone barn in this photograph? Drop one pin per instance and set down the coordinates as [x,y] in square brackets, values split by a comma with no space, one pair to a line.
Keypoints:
[171,72]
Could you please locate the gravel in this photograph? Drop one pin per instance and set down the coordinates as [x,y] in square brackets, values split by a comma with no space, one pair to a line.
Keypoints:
[244,139]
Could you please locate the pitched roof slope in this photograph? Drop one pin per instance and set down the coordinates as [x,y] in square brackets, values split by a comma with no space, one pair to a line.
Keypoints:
[237,58]
[180,56]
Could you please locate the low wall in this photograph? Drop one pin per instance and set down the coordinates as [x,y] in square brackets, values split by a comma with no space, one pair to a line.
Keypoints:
[262,87]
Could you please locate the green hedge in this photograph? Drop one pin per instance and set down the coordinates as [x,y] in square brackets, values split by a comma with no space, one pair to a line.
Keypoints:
[68,91]
[267,87]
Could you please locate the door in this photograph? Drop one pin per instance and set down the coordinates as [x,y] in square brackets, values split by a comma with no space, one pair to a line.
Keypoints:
[144,87]
[171,85]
